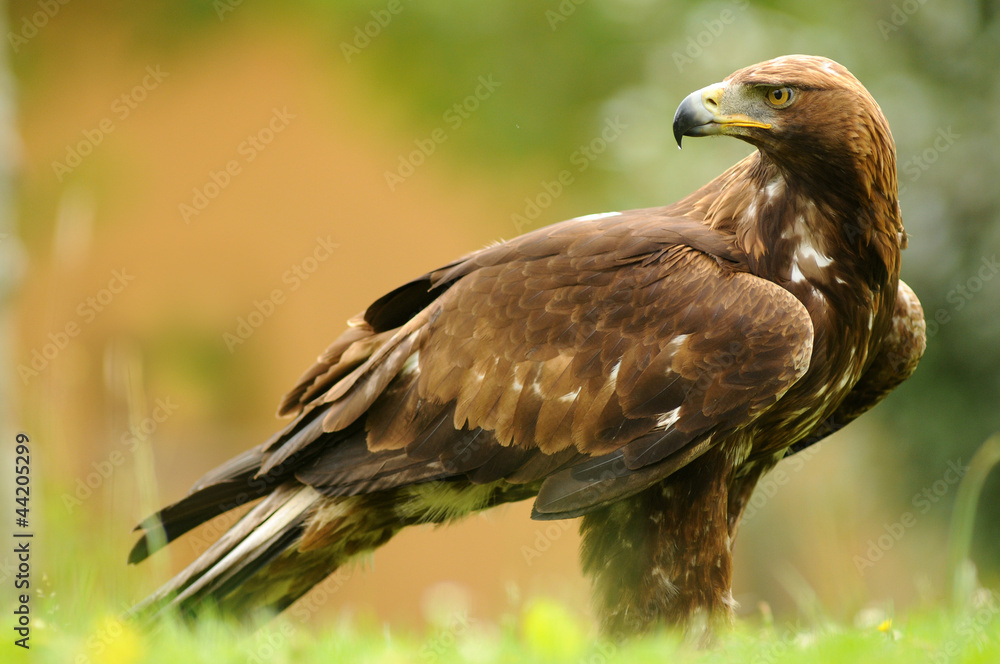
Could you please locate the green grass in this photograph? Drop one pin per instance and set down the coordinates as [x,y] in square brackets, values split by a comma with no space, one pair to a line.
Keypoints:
[544,632]
[80,590]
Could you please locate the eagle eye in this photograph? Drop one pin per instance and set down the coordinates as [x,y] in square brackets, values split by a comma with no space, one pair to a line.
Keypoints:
[780,97]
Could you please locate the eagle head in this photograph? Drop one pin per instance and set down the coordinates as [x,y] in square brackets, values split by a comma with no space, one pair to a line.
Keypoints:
[806,114]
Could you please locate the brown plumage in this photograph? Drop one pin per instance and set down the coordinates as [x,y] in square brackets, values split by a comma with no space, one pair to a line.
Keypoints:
[643,369]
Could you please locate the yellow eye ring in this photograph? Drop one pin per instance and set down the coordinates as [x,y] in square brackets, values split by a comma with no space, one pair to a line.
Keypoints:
[780,97]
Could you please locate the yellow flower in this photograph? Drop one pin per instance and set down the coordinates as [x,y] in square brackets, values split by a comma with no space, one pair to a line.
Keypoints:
[114,642]
[551,631]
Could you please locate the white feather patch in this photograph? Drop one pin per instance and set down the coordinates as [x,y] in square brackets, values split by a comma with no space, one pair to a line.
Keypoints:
[806,250]
[598,215]
[411,364]
[667,419]
[570,396]
[613,376]
[677,342]
[275,524]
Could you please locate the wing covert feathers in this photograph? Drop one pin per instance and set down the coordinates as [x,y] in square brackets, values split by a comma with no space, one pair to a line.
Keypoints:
[574,342]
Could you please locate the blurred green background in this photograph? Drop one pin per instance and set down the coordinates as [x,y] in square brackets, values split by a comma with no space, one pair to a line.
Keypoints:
[176,174]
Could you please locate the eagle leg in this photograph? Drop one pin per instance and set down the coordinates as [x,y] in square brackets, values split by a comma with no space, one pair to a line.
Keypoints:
[663,556]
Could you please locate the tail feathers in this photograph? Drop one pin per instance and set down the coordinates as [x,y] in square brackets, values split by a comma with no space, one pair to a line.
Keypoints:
[297,536]
[237,482]
[263,534]
[207,501]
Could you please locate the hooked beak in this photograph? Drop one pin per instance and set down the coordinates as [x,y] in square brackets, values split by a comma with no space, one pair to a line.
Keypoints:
[700,115]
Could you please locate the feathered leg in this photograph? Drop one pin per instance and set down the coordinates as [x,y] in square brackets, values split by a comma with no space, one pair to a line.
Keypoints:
[662,557]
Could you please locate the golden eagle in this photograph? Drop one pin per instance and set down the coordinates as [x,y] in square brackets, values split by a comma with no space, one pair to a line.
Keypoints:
[640,369]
